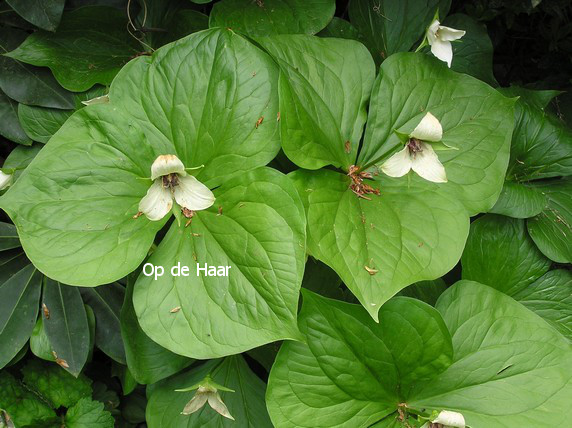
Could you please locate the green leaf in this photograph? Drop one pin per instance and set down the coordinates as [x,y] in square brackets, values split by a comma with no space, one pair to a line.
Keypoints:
[510,368]
[519,201]
[20,288]
[66,327]
[8,237]
[105,47]
[322,98]
[106,302]
[24,407]
[500,253]
[404,235]
[550,296]
[473,54]
[475,119]
[364,368]
[551,230]
[246,404]
[388,26]
[87,413]
[426,291]
[45,14]
[267,17]
[40,123]
[260,235]
[10,127]
[26,84]
[78,215]
[55,385]
[538,99]
[148,362]
[21,157]
[39,342]
[341,29]
[172,22]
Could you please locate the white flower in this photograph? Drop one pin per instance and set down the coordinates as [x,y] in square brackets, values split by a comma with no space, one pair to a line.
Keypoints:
[418,155]
[5,180]
[170,181]
[440,39]
[207,392]
[450,419]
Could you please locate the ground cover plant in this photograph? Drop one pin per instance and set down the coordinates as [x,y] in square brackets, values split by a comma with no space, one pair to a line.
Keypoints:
[286,213]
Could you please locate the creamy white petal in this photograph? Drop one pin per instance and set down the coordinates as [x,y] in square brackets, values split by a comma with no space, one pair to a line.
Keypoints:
[450,419]
[427,165]
[218,406]
[5,180]
[448,34]
[432,32]
[104,99]
[192,194]
[443,51]
[397,165]
[196,403]
[167,164]
[429,129]
[157,203]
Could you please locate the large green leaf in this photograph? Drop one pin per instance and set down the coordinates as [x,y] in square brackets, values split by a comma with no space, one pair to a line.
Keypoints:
[148,362]
[65,323]
[105,47]
[8,236]
[551,230]
[10,127]
[20,288]
[267,17]
[21,157]
[500,253]
[39,342]
[27,84]
[245,404]
[339,28]
[260,235]
[75,217]
[352,371]
[388,26]
[379,246]
[324,87]
[45,14]
[519,200]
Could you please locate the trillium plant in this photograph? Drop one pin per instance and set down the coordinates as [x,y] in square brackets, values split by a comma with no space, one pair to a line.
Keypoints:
[297,214]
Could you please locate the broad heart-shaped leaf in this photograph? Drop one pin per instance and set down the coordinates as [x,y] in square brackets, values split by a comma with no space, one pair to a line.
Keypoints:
[473,55]
[267,17]
[245,404]
[27,84]
[74,205]
[519,200]
[379,246]
[324,87]
[105,47]
[65,323]
[551,230]
[45,14]
[388,26]
[341,29]
[147,361]
[260,234]
[10,127]
[499,253]
[550,296]
[106,302]
[20,288]
[352,371]
[8,237]
[510,369]
[475,120]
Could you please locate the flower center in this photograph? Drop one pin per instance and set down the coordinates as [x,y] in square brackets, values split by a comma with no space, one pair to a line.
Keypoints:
[414,146]
[169,181]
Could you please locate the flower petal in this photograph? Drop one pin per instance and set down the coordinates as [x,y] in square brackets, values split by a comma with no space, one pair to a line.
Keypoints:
[5,180]
[192,194]
[167,164]
[427,165]
[196,403]
[218,406]
[432,32]
[397,165]
[157,202]
[450,419]
[429,129]
[447,34]
[443,51]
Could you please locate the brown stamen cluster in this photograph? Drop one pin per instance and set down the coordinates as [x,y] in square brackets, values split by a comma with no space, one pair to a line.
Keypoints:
[414,146]
[358,186]
[170,180]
